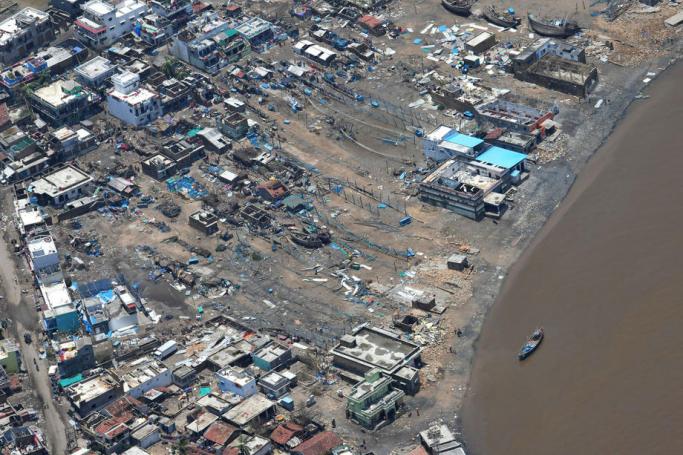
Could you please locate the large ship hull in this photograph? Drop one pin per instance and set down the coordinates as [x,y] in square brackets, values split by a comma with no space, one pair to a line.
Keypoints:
[562,30]
[502,20]
[459,8]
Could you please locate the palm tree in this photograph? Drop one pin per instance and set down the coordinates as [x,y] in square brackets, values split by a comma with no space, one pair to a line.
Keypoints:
[242,445]
[169,68]
[181,447]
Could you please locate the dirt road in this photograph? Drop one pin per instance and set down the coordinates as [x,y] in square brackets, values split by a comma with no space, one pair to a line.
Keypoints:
[25,319]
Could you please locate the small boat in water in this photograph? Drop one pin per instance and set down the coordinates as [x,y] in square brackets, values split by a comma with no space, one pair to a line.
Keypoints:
[555,27]
[459,7]
[505,19]
[531,344]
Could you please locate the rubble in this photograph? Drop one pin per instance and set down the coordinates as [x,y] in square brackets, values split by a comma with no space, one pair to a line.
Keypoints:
[314,169]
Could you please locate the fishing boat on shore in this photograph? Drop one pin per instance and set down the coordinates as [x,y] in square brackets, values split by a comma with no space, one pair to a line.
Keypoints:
[459,7]
[555,27]
[531,344]
[505,19]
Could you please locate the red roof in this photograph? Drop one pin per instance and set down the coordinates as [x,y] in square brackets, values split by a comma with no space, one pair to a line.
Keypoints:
[419,450]
[370,21]
[199,7]
[320,444]
[495,133]
[283,433]
[123,407]
[95,30]
[116,431]
[219,433]
[106,426]
[274,188]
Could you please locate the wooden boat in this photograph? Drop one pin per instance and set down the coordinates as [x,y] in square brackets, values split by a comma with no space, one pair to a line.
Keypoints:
[555,27]
[311,240]
[505,19]
[459,7]
[531,344]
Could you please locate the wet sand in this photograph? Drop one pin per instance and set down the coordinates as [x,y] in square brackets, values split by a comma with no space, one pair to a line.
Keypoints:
[605,279]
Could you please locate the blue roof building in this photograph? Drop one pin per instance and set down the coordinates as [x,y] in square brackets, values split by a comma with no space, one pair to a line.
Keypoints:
[503,158]
[444,143]
[457,138]
[500,164]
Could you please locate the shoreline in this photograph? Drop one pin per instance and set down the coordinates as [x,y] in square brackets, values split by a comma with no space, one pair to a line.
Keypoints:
[587,353]
[487,286]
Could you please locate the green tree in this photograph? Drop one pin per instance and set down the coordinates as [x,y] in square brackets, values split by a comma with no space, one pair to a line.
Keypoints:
[181,447]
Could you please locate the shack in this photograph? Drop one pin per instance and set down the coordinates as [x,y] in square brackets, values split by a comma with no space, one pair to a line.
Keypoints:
[481,43]
[555,73]
[205,222]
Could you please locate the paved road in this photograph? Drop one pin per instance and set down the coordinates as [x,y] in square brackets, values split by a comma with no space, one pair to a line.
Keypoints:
[24,317]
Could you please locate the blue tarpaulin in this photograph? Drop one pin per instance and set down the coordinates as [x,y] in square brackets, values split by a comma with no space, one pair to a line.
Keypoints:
[66,382]
[94,287]
[187,185]
[106,296]
[203,391]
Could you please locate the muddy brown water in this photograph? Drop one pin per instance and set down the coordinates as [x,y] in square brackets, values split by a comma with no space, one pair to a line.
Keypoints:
[605,280]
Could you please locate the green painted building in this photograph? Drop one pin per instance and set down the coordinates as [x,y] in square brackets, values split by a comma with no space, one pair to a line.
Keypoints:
[374,401]
[234,47]
[9,356]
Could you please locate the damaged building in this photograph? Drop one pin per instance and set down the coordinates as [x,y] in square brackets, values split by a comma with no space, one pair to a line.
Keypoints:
[515,116]
[62,102]
[234,125]
[205,222]
[94,393]
[159,167]
[546,46]
[561,74]
[444,143]
[369,348]
[183,152]
[473,189]
[208,43]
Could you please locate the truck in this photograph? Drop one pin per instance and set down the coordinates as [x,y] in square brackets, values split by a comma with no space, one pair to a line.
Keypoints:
[127,300]
[166,350]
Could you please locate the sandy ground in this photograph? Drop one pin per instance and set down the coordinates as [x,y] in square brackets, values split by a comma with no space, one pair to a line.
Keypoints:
[318,311]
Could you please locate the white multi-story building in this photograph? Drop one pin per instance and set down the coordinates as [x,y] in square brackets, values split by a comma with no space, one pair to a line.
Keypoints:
[195,44]
[176,12]
[24,32]
[60,186]
[95,72]
[64,101]
[102,23]
[143,375]
[43,254]
[236,381]
[131,103]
